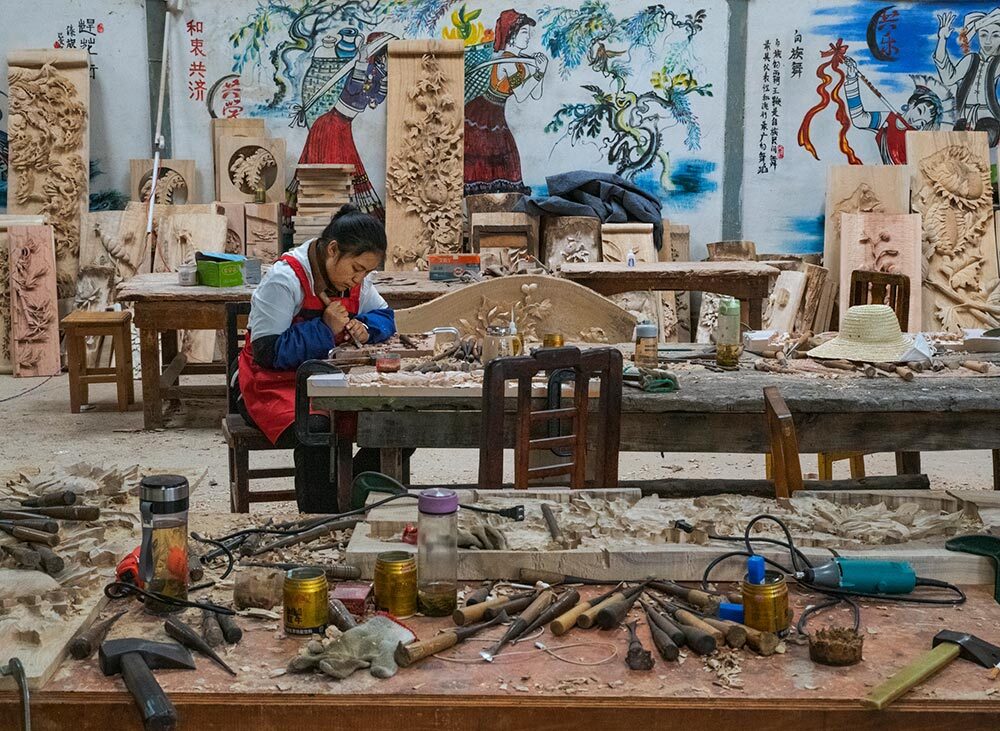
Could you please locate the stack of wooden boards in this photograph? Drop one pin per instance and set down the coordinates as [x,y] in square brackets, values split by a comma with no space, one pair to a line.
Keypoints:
[323,189]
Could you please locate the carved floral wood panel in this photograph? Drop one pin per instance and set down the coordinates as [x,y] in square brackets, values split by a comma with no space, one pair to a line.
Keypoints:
[33,301]
[263,232]
[49,147]
[5,223]
[424,151]
[175,184]
[952,191]
[880,242]
[571,239]
[252,164]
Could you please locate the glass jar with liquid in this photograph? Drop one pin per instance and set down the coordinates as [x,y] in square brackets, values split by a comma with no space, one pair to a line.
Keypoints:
[728,345]
[437,552]
[163,556]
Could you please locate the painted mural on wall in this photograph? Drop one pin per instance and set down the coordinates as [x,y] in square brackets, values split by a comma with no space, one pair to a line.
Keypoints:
[625,87]
[842,83]
[114,36]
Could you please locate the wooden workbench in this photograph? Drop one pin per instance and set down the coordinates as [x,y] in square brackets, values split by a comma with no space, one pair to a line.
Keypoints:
[163,307]
[712,412]
[517,692]
[747,281]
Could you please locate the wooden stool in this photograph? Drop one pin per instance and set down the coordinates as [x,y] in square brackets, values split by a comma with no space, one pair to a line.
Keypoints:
[83,324]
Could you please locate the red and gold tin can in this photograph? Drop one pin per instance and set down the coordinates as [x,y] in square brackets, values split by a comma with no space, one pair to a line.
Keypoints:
[306,596]
[396,583]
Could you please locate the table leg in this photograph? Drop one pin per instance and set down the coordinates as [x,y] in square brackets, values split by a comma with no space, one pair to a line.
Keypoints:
[149,352]
[752,313]
[907,463]
[996,469]
[168,343]
[391,459]
[345,471]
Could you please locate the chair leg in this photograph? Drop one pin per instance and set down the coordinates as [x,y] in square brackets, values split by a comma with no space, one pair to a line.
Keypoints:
[123,377]
[768,466]
[128,367]
[824,466]
[857,466]
[240,485]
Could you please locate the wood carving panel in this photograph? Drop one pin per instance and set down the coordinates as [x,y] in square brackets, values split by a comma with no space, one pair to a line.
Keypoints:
[680,250]
[785,301]
[49,147]
[816,281]
[708,318]
[570,239]
[33,302]
[617,239]
[859,189]
[241,127]
[236,224]
[175,183]
[136,219]
[5,223]
[953,194]
[879,242]
[252,164]
[263,232]
[581,314]
[425,154]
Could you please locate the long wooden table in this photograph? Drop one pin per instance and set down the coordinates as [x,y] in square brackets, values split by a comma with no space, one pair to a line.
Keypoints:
[162,308]
[749,282]
[536,691]
[712,412]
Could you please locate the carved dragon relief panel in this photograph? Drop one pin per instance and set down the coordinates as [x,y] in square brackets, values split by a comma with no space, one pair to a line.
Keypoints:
[425,176]
[47,131]
[954,195]
[34,311]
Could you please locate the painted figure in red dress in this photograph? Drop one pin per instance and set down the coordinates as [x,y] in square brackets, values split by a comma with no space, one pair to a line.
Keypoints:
[331,137]
[492,160]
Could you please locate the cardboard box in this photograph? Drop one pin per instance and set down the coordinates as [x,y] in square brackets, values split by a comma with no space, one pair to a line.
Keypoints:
[451,267]
[219,270]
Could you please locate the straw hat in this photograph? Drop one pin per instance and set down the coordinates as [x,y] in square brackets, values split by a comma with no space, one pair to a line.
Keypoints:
[868,333]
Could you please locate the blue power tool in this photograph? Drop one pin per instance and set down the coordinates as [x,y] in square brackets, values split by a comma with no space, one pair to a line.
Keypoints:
[863,576]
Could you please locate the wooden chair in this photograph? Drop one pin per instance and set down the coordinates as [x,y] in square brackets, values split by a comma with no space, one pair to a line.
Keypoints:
[603,363]
[876,288]
[870,288]
[240,436]
[787,470]
[82,324]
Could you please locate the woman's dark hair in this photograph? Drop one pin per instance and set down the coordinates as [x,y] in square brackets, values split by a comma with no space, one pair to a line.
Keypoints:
[355,232]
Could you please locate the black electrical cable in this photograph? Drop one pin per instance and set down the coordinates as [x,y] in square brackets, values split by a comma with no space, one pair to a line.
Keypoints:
[122,589]
[222,547]
[812,609]
[836,595]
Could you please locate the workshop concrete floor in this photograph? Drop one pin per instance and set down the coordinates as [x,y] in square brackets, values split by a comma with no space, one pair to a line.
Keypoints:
[36,428]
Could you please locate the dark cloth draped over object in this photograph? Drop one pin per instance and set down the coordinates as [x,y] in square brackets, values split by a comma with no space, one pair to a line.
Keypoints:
[606,196]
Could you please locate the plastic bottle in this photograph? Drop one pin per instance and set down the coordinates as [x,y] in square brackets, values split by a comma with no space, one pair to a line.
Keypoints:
[437,552]
[630,259]
[727,333]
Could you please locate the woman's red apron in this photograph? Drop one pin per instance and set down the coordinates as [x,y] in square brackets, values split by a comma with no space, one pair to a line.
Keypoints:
[269,395]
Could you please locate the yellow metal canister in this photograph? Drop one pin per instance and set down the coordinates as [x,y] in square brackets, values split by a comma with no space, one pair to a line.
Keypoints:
[552,340]
[306,598]
[396,583]
[765,606]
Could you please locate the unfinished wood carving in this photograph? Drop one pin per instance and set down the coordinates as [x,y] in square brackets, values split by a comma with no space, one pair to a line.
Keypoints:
[570,239]
[5,223]
[240,127]
[34,310]
[785,301]
[134,224]
[49,148]
[859,189]
[581,314]
[617,239]
[708,318]
[952,191]
[680,250]
[425,155]
[816,279]
[175,182]
[95,284]
[263,240]
[236,234]
[252,164]
[879,242]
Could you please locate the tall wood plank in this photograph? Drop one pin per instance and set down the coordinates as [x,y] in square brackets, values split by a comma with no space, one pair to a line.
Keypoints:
[231,128]
[33,305]
[880,242]
[49,142]
[680,250]
[859,189]
[785,301]
[816,279]
[951,189]
[424,151]
[5,223]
